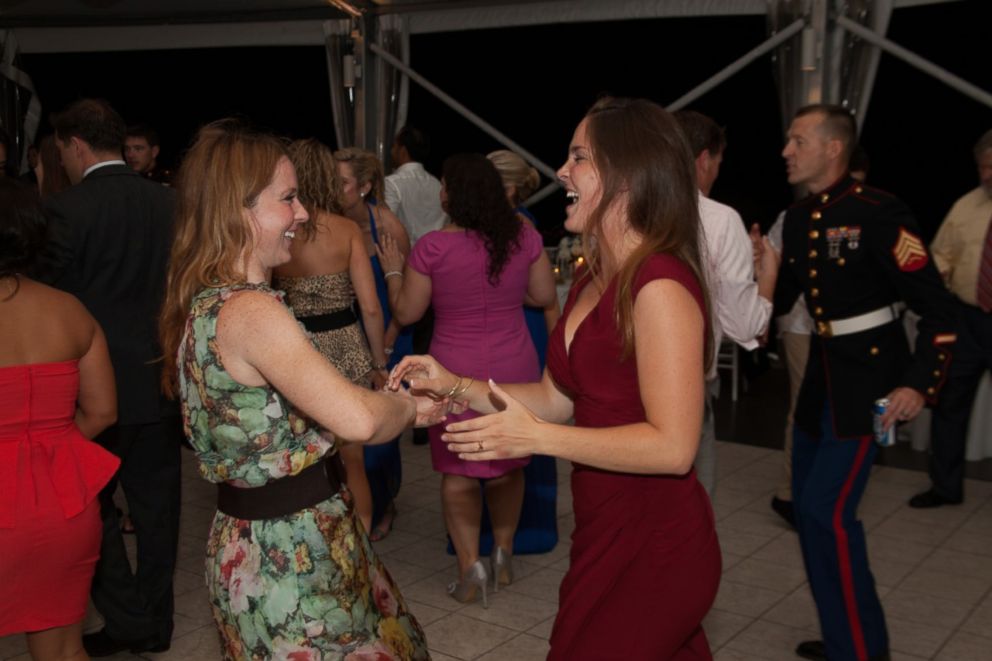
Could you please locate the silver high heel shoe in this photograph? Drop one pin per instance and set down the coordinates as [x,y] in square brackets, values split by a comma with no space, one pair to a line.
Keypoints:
[501,564]
[466,590]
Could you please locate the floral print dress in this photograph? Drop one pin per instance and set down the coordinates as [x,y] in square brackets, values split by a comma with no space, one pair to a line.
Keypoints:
[306,586]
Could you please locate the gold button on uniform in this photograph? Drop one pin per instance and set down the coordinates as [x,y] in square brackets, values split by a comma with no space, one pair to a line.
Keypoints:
[813,254]
[814,292]
[814,234]
[931,391]
[824,198]
[812,273]
[859,189]
[818,311]
[816,215]
[873,351]
[941,356]
[936,373]
[841,261]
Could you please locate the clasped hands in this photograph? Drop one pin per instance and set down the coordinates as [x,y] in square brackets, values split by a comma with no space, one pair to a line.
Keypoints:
[506,434]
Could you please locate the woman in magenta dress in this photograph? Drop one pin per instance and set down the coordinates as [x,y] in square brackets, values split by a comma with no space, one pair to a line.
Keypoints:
[627,360]
[477,272]
[56,393]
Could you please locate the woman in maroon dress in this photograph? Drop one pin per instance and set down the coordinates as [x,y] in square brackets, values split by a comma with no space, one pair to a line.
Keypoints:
[627,361]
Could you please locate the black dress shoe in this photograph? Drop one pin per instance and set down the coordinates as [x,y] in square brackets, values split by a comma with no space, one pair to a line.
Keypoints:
[812,649]
[784,509]
[101,644]
[931,498]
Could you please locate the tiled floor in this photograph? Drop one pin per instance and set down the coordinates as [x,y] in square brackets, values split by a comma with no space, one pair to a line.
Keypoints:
[933,568]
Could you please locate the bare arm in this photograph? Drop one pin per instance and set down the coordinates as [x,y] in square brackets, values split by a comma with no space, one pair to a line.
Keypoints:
[392,226]
[409,291]
[363,280]
[541,290]
[426,375]
[261,343]
[96,403]
[551,315]
[668,331]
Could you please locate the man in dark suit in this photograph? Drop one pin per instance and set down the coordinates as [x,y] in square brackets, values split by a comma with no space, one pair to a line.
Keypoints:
[854,253]
[109,239]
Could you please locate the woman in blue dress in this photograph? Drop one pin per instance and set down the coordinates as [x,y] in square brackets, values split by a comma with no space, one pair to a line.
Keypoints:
[362,178]
[538,530]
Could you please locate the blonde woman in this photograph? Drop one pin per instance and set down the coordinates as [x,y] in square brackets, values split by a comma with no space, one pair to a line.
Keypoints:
[361,177]
[289,571]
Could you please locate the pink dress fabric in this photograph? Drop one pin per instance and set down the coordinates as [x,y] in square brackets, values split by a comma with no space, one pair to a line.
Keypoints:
[479,329]
[50,476]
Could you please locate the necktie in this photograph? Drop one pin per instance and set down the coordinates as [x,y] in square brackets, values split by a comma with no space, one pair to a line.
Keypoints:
[984,292]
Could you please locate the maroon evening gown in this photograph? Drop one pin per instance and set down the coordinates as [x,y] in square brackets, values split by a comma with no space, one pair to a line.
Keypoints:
[645,561]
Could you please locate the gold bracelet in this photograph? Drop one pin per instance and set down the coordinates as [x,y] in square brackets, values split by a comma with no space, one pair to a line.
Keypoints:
[454,388]
[464,390]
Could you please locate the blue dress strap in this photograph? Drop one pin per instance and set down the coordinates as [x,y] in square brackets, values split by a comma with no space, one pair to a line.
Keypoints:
[375,232]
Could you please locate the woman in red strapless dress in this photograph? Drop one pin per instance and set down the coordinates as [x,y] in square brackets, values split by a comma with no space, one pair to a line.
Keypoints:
[56,392]
[627,361]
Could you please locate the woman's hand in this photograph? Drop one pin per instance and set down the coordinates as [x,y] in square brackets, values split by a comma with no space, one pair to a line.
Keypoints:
[389,253]
[430,411]
[379,378]
[424,374]
[511,433]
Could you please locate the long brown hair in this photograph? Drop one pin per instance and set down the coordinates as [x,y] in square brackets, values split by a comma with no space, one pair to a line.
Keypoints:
[53,176]
[638,149]
[222,174]
[477,202]
[319,188]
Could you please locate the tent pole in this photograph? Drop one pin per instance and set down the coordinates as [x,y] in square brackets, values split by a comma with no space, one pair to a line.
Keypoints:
[768,45]
[912,59]
[464,112]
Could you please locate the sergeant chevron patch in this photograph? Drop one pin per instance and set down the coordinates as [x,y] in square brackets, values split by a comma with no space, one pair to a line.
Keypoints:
[909,251]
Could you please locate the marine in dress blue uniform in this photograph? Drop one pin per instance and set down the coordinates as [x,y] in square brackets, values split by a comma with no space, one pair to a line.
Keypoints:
[855,254]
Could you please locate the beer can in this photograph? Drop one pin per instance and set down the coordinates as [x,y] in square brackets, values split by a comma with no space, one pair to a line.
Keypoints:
[885,438]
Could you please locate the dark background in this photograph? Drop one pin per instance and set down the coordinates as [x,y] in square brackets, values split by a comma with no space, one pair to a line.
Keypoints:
[535,83]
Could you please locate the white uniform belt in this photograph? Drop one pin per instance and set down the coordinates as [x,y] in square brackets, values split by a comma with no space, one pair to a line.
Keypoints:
[862,322]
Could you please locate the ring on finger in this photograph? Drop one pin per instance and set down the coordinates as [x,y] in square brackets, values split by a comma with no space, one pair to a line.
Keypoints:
[480,447]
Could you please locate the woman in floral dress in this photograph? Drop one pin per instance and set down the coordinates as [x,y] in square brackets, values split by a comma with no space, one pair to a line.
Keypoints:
[289,571]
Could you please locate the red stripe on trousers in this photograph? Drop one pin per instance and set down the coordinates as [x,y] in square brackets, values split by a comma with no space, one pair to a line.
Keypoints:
[844,554]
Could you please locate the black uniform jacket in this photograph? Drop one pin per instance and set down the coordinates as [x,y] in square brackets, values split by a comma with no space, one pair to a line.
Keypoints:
[850,250]
[108,245]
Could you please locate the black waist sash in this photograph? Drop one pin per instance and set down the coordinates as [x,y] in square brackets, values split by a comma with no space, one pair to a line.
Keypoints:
[285,496]
[331,321]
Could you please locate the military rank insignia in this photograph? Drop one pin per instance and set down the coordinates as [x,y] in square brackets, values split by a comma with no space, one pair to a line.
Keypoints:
[909,252]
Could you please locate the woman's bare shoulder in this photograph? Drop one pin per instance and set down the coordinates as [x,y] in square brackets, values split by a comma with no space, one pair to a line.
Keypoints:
[55,301]
[341,223]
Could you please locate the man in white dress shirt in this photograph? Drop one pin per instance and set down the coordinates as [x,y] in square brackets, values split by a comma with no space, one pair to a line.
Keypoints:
[413,193]
[742,307]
